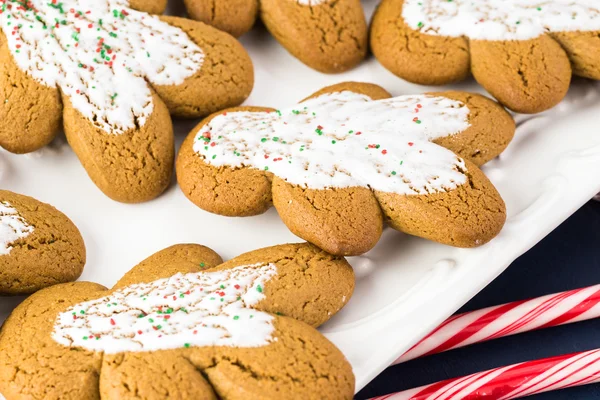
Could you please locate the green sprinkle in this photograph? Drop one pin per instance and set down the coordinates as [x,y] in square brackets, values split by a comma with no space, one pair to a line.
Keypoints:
[187,345]
[236,317]
[259,289]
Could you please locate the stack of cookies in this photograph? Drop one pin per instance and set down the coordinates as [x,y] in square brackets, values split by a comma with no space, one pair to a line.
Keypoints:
[339,166]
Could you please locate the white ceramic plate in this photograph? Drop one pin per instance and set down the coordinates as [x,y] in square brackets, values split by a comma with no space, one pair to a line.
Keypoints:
[405,286]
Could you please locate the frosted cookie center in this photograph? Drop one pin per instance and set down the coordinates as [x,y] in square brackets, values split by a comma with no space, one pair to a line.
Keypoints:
[100,54]
[501,19]
[345,139]
[195,309]
[12,227]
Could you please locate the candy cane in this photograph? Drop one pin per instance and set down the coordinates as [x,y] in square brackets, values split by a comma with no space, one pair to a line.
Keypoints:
[509,319]
[514,381]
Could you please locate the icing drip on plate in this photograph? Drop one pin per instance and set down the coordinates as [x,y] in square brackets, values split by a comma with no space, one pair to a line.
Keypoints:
[100,54]
[185,310]
[12,227]
[345,139]
[501,19]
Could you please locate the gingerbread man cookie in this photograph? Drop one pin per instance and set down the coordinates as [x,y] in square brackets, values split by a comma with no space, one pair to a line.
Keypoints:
[111,74]
[39,245]
[184,325]
[522,52]
[349,157]
[327,35]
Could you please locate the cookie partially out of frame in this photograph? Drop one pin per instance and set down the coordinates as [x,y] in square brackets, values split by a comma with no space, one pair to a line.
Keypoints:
[39,245]
[112,75]
[522,52]
[350,157]
[184,325]
[327,35]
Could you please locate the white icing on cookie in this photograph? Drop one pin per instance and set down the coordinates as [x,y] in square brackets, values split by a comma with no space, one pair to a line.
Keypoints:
[311,2]
[501,19]
[195,309]
[345,139]
[12,227]
[100,54]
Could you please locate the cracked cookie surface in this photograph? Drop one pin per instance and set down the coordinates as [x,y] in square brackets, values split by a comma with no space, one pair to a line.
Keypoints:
[343,161]
[282,290]
[523,54]
[39,245]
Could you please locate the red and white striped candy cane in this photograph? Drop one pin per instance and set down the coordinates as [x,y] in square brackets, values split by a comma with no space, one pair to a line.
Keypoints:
[509,319]
[514,381]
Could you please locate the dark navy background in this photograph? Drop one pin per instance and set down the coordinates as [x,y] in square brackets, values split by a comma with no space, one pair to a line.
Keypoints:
[568,258]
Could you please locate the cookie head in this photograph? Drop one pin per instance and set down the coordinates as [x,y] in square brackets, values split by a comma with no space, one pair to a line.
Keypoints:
[196,328]
[522,53]
[39,246]
[335,161]
[111,74]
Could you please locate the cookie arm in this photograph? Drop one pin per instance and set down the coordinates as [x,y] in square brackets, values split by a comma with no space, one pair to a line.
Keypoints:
[32,364]
[225,191]
[491,129]
[416,57]
[235,17]
[311,285]
[30,113]
[225,78]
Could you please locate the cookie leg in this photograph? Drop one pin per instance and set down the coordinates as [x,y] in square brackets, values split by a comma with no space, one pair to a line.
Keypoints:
[225,78]
[491,129]
[341,221]
[329,36]
[225,191]
[468,216]
[235,17]
[527,76]
[149,6]
[131,167]
[30,113]
[300,364]
[412,55]
[583,49]
[160,375]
